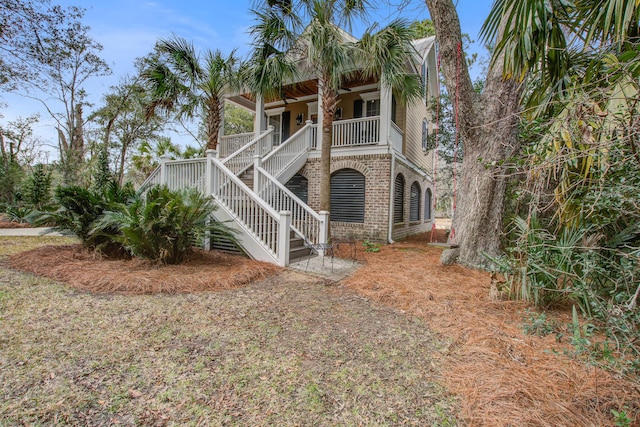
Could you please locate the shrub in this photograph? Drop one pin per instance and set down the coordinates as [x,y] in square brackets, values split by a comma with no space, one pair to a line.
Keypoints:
[163,225]
[80,208]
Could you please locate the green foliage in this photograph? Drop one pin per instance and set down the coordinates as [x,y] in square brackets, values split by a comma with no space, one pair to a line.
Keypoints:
[237,120]
[11,177]
[17,213]
[371,247]
[551,264]
[163,225]
[102,175]
[37,188]
[537,324]
[622,418]
[422,29]
[80,208]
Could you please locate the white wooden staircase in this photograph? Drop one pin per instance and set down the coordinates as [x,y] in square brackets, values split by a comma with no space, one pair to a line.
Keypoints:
[272,224]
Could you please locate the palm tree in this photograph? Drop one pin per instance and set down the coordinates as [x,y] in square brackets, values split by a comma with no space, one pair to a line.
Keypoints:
[180,82]
[286,51]
[579,60]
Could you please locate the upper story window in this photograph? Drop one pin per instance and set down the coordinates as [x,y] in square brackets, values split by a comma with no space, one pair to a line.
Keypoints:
[371,104]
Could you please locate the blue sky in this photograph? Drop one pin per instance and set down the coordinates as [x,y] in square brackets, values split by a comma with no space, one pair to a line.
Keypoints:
[128,29]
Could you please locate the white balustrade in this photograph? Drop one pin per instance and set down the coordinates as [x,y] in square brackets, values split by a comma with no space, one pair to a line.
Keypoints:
[286,154]
[189,173]
[304,220]
[356,131]
[256,216]
[154,179]
[242,159]
[231,143]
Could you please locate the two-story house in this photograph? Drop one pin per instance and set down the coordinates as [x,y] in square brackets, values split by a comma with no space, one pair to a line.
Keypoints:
[267,182]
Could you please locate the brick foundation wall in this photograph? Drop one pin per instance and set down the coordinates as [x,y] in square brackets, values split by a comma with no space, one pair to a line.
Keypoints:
[377,172]
[406,227]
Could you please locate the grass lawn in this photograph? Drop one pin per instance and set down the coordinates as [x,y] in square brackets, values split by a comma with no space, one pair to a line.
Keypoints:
[287,350]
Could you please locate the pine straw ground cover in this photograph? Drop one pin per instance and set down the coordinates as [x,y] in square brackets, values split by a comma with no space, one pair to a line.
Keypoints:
[501,376]
[203,271]
[287,350]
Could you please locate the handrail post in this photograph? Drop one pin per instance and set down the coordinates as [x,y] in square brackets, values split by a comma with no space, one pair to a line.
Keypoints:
[208,189]
[163,168]
[270,143]
[284,241]
[257,163]
[309,135]
[323,238]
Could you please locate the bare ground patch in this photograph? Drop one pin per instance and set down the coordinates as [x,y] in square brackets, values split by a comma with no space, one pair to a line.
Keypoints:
[502,376]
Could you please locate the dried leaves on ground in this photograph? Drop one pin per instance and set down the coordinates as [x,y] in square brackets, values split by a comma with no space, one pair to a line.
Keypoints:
[203,271]
[502,376]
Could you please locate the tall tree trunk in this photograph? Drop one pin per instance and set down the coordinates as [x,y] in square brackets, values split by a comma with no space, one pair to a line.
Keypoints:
[487,123]
[328,110]
[213,123]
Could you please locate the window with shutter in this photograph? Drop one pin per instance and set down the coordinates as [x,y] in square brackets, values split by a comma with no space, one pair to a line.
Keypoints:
[398,199]
[347,196]
[414,202]
[299,185]
[427,204]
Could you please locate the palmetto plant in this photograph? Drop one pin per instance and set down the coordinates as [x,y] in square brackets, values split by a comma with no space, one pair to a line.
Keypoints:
[80,208]
[163,225]
[180,81]
[304,39]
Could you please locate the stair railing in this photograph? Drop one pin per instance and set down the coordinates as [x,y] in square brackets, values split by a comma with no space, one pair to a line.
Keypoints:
[311,226]
[242,159]
[231,143]
[263,231]
[291,153]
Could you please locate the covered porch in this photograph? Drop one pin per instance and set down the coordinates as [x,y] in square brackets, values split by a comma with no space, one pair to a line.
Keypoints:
[366,116]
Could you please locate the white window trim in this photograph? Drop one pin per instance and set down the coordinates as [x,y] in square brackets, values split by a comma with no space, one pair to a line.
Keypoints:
[274,111]
[370,96]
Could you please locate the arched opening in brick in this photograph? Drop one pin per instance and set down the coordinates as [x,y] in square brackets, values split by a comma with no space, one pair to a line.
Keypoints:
[398,199]
[347,196]
[414,202]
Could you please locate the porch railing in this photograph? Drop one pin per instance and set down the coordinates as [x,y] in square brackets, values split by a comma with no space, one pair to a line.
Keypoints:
[242,159]
[231,143]
[189,173]
[356,131]
[346,133]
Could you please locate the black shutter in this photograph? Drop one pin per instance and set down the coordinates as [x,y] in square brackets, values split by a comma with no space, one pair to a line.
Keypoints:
[299,185]
[347,196]
[398,199]
[357,108]
[414,202]
[394,109]
[286,125]
[427,204]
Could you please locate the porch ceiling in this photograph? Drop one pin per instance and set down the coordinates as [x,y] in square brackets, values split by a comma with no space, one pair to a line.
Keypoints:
[292,92]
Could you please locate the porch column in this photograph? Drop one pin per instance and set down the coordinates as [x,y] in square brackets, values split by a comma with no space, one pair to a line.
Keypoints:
[385,114]
[259,124]
[320,116]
